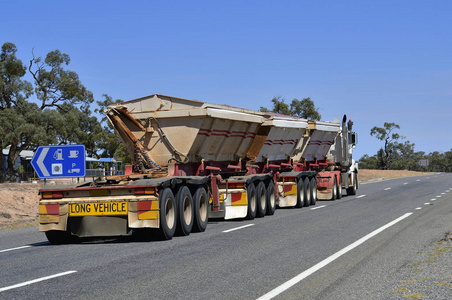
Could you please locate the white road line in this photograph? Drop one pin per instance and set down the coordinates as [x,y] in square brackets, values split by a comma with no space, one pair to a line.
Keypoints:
[386,189]
[23,247]
[426,203]
[35,281]
[405,183]
[418,180]
[433,199]
[288,284]
[438,196]
[17,248]
[360,196]
[237,228]
[317,207]
[443,193]
[418,208]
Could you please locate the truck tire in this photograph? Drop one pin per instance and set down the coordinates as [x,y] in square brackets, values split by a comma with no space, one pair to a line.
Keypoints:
[300,193]
[261,196]
[168,214]
[313,190]
[307,192]
[352,190]
[251,199]
[271,198]
[334,189]
[58,237]
[201,204]
[339,188]
[185,210]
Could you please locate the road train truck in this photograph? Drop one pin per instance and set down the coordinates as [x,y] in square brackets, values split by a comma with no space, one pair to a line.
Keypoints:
[193,161]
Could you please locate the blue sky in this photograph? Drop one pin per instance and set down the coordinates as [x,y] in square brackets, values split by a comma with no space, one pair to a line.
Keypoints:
[376,61]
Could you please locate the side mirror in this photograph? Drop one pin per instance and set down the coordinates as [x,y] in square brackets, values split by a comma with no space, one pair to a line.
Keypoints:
[354,139]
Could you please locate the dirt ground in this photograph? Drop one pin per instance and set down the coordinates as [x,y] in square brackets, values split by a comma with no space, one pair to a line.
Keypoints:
[19,201]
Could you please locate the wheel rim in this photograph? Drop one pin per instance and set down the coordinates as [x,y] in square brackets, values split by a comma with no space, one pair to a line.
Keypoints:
[169,213]
[272,198]
[253,201]
[262,199]
[203,208]
[314,191]
[188,210]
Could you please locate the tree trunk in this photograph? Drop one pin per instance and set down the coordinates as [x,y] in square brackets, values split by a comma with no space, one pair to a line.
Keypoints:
[14,152]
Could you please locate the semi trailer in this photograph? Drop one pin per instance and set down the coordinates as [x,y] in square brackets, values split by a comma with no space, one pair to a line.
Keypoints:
[194,160]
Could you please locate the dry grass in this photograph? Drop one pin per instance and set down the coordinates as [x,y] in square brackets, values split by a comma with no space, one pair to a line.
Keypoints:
[368,175]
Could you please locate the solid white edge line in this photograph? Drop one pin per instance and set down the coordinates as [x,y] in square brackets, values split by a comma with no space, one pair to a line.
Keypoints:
[237,228]
[317,207]
[17,248]
[288,284]
[35,281]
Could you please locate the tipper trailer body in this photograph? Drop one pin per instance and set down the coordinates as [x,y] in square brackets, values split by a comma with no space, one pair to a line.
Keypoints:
[195,160]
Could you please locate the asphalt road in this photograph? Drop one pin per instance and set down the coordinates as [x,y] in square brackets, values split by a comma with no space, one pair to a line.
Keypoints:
[375,245]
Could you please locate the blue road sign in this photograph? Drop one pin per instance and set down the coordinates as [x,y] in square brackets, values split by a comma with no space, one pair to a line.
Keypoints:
[63,161]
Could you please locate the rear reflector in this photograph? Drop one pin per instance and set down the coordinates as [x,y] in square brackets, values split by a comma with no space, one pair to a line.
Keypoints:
[52,195]
[144,191]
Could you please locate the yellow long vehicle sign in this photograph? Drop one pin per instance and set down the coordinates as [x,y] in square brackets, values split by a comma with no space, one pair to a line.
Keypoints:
[98,209]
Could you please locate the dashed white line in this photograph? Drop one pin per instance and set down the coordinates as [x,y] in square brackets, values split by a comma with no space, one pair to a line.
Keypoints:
[443,193]
[23,247]
[17,248]
[317,207]
[438,196]
[418,208]
[237,228]
[387,189]
[427,203]
[405,183]
[35,281]
[288,284]
[418,180]
[360,196]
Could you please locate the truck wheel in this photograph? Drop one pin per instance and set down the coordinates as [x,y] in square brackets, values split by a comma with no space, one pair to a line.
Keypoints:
[261,194]
[313,190]
[307,192]
[251,199]
[168,214]
[339,188]
[352,190]
[184,211]
[334,189]
[300,193]
[58,237]
[271,198]
[201,210]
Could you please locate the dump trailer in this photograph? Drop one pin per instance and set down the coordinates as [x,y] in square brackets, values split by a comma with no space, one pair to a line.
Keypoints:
[194,160]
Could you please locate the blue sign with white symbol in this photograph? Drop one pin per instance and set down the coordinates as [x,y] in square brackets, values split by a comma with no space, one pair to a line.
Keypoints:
[63,161]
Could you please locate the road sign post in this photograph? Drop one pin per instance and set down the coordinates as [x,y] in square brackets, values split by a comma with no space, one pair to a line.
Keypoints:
[60,161]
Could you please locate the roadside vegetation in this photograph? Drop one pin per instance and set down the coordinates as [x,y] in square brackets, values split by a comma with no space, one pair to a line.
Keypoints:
[397,153]
[54,108]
